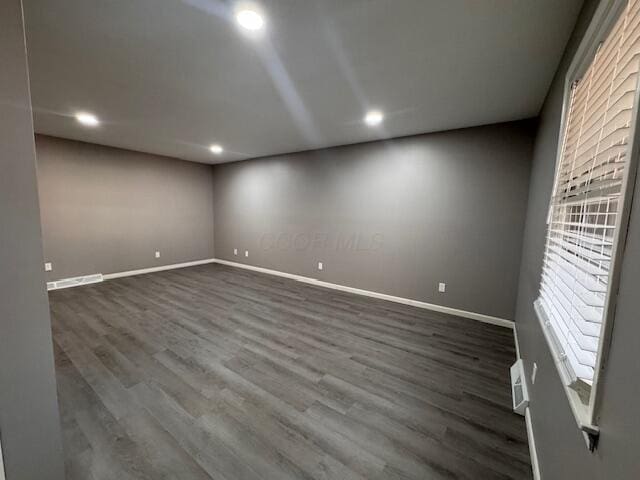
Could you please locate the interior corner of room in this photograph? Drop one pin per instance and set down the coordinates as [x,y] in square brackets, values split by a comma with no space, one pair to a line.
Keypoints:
[339,239]
[108,211]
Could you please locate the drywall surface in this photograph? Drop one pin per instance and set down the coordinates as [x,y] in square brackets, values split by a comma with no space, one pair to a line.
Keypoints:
[29,419]
[107,210]
[561,448]
[395,217]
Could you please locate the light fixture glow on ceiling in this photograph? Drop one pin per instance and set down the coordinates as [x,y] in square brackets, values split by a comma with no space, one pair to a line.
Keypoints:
[373,118]
[250,19]
[216,149]
[87,119]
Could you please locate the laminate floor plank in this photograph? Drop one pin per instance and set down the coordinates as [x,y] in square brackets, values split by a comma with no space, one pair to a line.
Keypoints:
[213,372]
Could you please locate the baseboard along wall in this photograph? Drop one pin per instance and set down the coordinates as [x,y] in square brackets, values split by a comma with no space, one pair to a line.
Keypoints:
[97,278]
[533,452]
[368,293]
[77,281]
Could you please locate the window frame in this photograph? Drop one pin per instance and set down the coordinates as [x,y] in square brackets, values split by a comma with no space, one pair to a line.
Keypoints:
[587,415]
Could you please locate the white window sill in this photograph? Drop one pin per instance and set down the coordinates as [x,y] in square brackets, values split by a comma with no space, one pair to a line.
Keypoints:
[579,408]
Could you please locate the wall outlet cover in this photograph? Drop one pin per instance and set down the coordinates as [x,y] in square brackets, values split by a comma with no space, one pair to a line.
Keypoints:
[157,254]
[246,253]
[442,287]
[48,267]
[235,251]
[320,266]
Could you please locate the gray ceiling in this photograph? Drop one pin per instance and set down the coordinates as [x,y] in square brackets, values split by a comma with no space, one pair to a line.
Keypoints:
[174,76]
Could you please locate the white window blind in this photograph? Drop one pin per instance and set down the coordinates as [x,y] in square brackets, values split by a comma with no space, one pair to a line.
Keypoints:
[587,199]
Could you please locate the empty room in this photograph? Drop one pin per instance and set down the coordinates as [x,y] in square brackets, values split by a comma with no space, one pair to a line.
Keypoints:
[319,240]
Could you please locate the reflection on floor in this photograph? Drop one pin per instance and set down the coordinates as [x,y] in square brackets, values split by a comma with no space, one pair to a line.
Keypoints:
[215,372]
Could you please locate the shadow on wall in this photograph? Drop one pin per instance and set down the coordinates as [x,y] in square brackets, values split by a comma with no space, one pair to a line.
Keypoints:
[397,217]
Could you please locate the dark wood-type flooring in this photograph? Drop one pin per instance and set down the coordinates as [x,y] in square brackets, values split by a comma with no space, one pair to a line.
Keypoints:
[215,372]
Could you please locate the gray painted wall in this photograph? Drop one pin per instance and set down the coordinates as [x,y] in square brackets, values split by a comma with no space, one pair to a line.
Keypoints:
[29,419]
[108,210]
[396,217]
[561,447]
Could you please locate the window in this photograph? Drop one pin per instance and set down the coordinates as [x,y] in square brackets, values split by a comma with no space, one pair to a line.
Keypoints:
[588,209]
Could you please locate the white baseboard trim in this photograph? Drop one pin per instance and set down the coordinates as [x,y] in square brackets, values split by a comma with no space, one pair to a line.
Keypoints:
[515,340]
[2,477]
[314,281]
[533,452]
[76,281]
[368,293]
[142,271]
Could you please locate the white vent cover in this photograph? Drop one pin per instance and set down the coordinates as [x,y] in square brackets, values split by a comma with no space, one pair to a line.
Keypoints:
[519,393]
[74,282]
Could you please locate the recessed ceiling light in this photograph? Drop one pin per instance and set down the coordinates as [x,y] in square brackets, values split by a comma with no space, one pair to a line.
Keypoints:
[250,19]
[373,118]
[87,119]
[216,149]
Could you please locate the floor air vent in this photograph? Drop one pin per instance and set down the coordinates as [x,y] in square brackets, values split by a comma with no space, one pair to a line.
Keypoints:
[74,282]
[519,392]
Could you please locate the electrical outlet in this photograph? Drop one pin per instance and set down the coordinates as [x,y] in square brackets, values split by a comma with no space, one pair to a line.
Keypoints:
[48,267]
[235,251]
[534,373]
[442,287]
[246,253]
[157,254]
[320,266]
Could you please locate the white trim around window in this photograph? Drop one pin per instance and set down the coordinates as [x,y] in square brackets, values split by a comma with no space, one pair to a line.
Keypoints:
[575,296]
